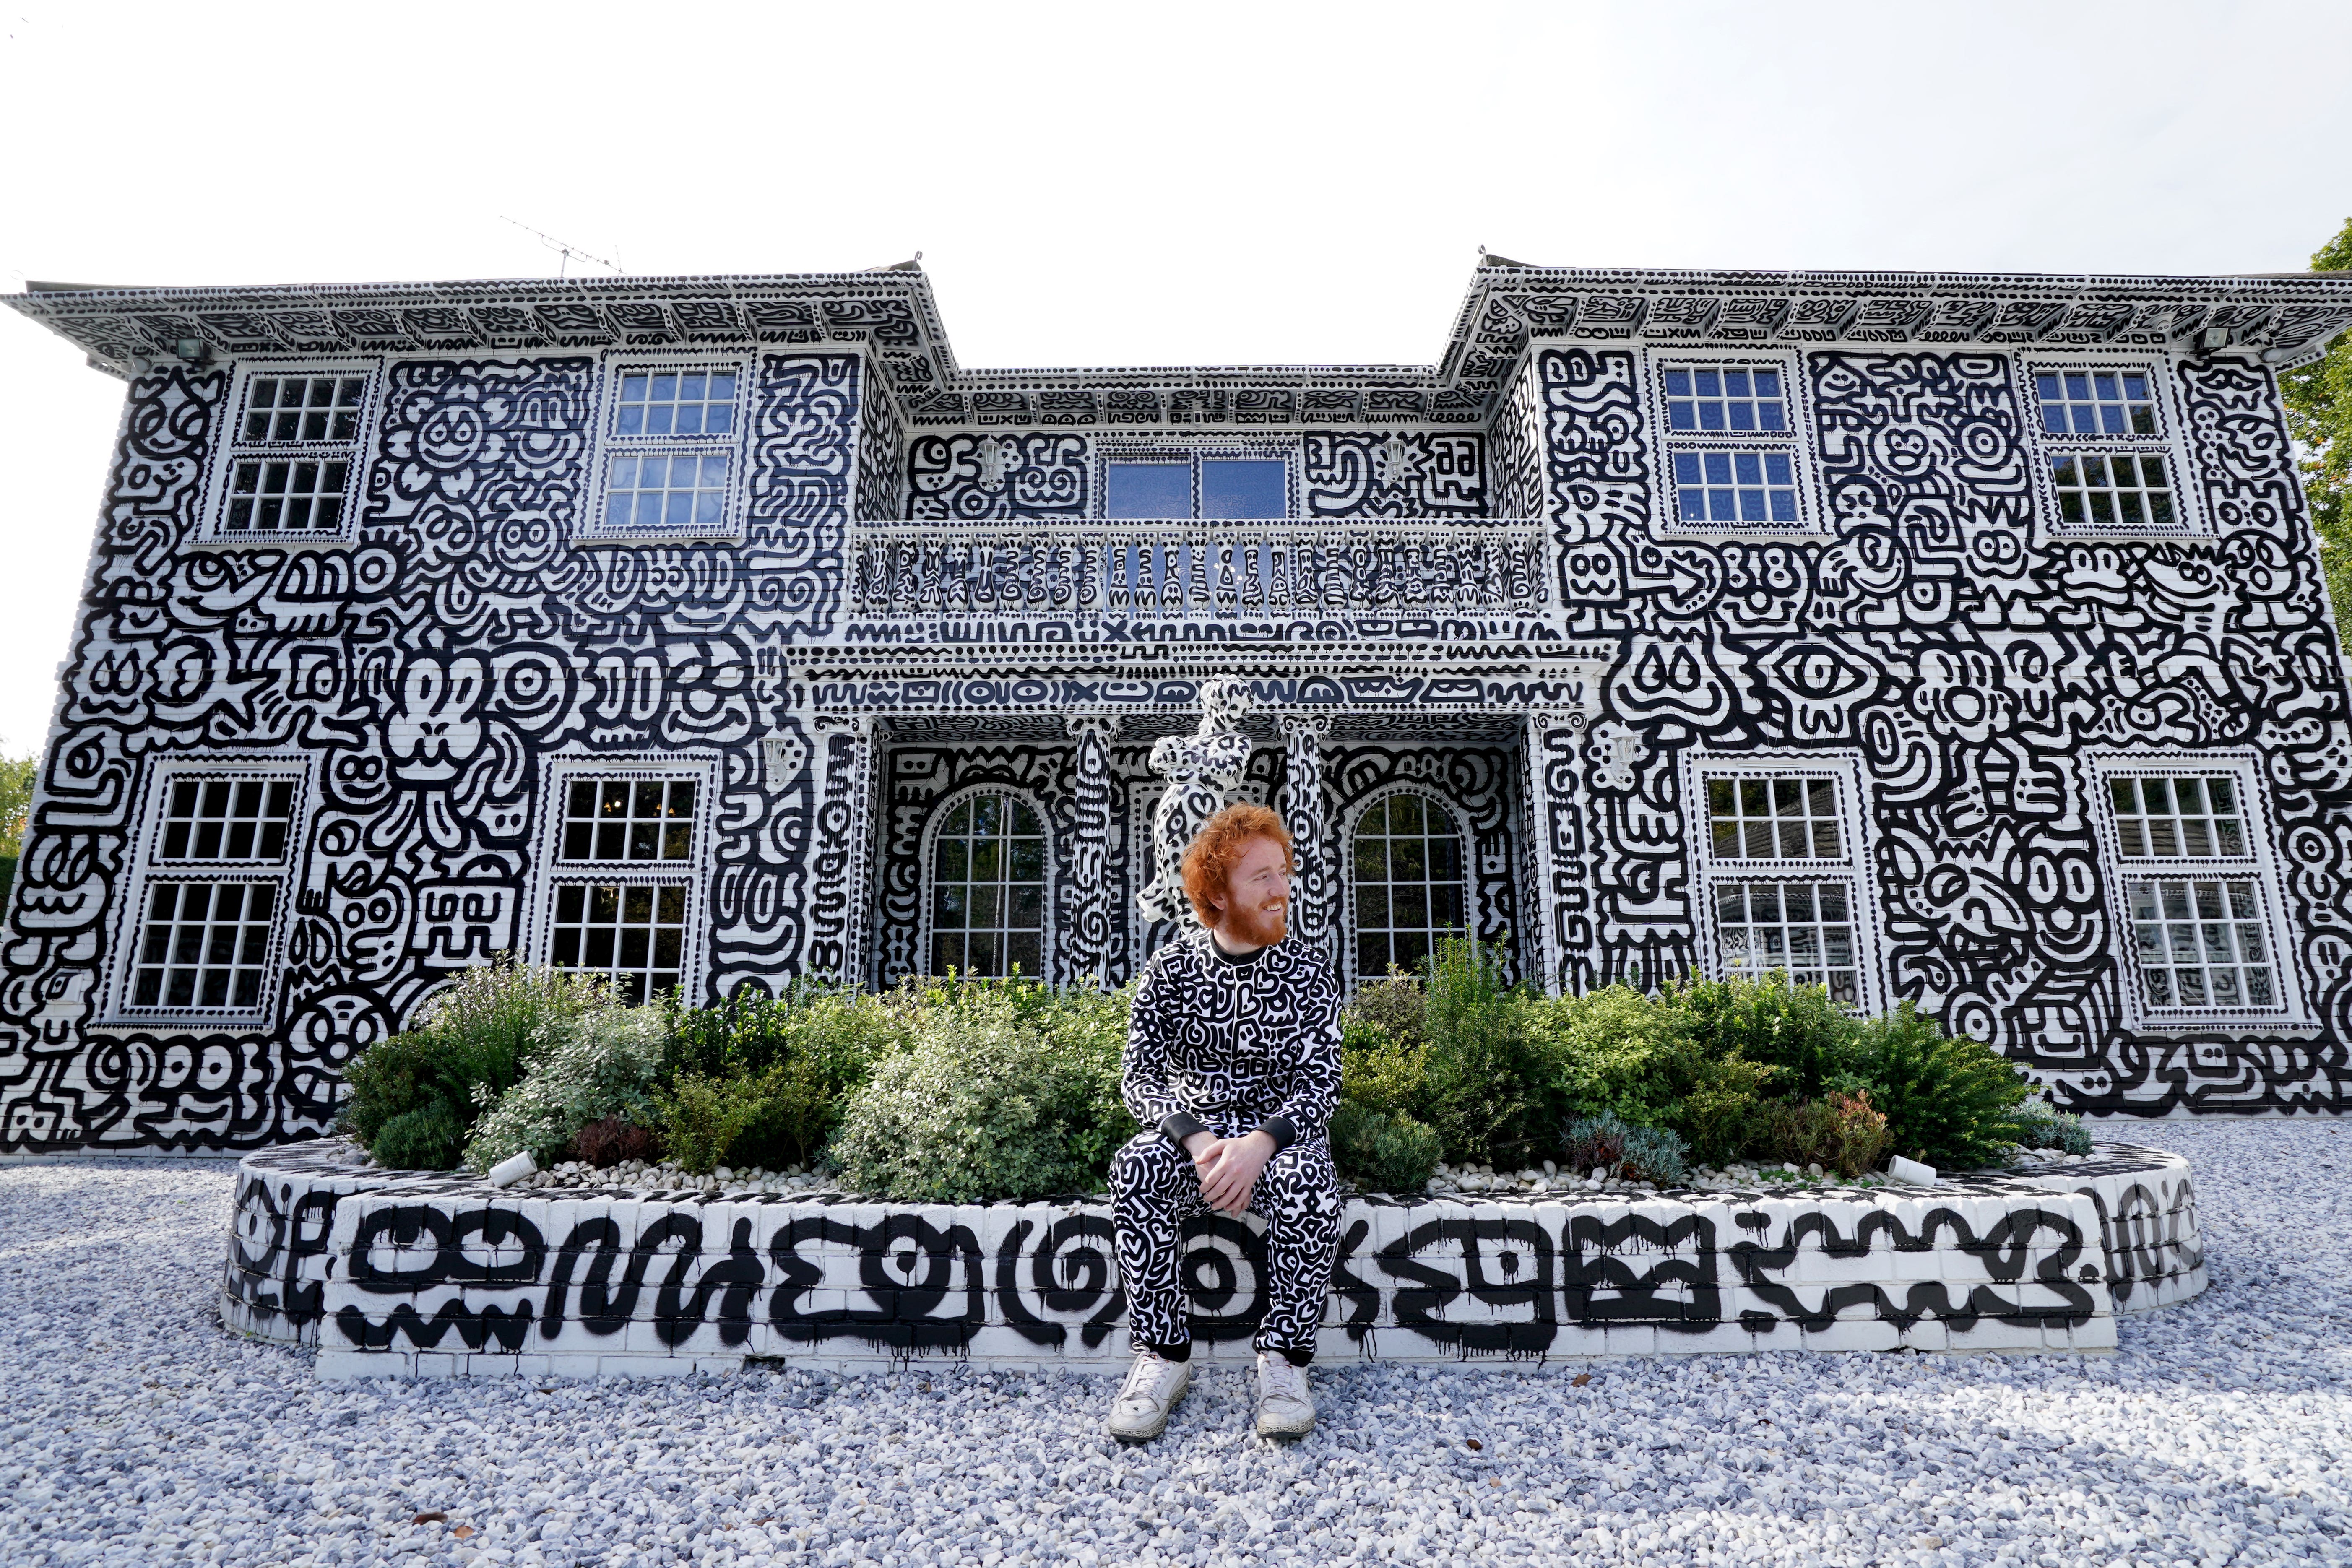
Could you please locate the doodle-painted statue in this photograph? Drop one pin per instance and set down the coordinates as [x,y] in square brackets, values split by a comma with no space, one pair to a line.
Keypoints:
[1203,769]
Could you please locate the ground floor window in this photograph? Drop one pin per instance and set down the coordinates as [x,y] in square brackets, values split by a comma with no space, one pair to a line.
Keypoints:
[1409,890]
[205,946]
[637,934]
[627,852]
[988,887]
[1805,928]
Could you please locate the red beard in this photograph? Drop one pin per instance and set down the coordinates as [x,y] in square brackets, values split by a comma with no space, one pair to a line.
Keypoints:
[1262,927]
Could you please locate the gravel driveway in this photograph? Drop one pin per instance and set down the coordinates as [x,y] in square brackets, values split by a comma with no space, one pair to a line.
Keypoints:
[139,1432]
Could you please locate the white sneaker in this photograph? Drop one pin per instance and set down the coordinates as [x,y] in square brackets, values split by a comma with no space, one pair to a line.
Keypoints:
[1153,1385]
[1284,1410]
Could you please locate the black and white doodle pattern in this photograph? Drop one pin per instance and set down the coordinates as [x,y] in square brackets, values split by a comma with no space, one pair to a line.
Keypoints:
[1484,600]
[380,1268]
[1232,1046]
[1203,770]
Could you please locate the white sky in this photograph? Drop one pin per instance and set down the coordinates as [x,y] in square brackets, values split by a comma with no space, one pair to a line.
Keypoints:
[1104,185]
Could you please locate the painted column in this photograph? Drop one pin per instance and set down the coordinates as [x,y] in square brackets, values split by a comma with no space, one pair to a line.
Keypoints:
[1314,895]
[1085,949]
[1561,902]
[841,856]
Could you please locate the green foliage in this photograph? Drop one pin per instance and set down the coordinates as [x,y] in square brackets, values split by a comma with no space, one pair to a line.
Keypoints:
[2318,398]
[1619,1053]
[1950,1102]
[798,1056]
[469,1047]
[1007,1091]
[17,776]
[702,1117]
[1844,1132]
[1607,1141]
[1380,1151]
[1719,1112]
[578,1069]
[2041,1127]
[1491,1084]
[1795,1029]
[1396,1007]
[1379,1072]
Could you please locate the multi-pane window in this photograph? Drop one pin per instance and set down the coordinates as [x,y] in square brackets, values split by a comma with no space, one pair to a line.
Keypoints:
[672,489]
[1781,878]
[2121,489]
[1736,487]
[631,922]
[206,909]
[1805,928]
[228,819]
[1187,485]
[204,946]
[1409,886]
[2096,402]
[292,456]
[2194,893]
[1729,448]
[988,889]
[1724,397]
[676,403]
[670,449]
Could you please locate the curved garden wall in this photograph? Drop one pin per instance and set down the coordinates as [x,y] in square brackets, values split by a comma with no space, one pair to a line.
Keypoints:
[391,1273]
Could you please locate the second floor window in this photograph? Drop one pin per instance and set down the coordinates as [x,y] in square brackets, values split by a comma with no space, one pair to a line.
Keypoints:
[1730,457]
[2102,435]
[1204,486]
[293,454]
[671,442]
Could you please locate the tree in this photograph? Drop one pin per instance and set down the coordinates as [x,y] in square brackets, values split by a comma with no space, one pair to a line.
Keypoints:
[15,810]
[2319,417]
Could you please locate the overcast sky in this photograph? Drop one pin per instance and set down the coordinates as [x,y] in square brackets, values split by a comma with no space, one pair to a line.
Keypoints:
[1113,184]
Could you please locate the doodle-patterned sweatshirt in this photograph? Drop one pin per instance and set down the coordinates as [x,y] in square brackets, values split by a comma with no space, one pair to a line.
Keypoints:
[1227,1045]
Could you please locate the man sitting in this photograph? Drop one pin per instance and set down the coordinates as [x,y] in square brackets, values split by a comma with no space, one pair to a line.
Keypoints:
[1233,1067]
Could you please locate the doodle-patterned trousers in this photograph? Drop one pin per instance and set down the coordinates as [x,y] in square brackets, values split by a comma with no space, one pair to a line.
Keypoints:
[1297,1194]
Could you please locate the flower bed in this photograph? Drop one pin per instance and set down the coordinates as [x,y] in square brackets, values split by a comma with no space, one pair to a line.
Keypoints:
[421,1273]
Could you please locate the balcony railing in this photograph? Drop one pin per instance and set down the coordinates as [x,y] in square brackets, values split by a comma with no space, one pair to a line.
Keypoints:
[1188,568]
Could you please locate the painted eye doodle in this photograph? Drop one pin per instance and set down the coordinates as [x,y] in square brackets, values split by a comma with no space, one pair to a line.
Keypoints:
[1823,685]
[438,728]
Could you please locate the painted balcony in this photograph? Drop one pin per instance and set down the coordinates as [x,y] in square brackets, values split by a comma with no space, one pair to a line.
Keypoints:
[1190,570]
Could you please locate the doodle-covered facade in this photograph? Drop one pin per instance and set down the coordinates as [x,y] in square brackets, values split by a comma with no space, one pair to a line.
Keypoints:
[1955,638]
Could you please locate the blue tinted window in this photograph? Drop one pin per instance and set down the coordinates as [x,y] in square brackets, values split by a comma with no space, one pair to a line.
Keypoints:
[1148,490]
[1736,487]
[1244,486]
[2096,402]
[1729,398]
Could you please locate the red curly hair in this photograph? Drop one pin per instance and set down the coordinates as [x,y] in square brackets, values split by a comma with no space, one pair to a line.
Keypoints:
[1209,861]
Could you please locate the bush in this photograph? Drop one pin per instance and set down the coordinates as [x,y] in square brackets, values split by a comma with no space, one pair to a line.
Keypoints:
[1006,1091]
[1622,1149]
[415,1097]
[1379,1073]
[1795,1029]
[2041,1127]
[799,1057]
[1620,1054]
[606,1143]
[702,1117]
[1949,1102]
[1397,1006]
[584,1068]
[1844,1132]
[1490,1083]
[1381,1153]
[1718,1115]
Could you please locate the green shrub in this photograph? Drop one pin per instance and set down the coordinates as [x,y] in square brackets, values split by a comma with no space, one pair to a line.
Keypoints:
[1491,1082]
[1006,1091]
[1380,1072]
[805,1052]
[1949,1102]
[578,1069]
[1795,1029]
[2041,1127]
[1619,1053]
[414,1097]
[702,1117]
[1397,1006]
[1381,1153]
[1624,1149]
[1842,1133]
[1719,1111]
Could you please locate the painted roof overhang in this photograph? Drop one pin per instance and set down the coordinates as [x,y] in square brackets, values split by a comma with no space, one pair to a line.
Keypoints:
[2282,318]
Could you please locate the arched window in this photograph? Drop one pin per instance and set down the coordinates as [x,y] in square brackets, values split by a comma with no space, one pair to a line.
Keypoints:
[988,889]
[1409,886]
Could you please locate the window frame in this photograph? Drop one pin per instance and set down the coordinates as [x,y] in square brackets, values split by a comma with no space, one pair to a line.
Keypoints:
[551,873]
[2259,864]
[1110,452]
[1798,439]
[1352,820]
[149,868]
[1856,867]
[606,443]
[927,883]
[233,448]
[2188,511]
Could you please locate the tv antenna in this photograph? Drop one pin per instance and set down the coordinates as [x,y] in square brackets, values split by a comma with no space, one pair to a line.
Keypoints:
[563,248]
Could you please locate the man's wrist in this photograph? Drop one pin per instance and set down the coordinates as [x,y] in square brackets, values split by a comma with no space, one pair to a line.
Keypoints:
[1197,1143]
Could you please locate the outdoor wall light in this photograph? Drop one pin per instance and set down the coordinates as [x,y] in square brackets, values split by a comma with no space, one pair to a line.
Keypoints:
[192,349]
